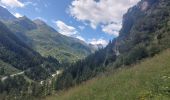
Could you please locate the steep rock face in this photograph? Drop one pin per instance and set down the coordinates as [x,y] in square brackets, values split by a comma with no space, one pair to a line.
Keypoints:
[139,24]
[145,31]
[136,13]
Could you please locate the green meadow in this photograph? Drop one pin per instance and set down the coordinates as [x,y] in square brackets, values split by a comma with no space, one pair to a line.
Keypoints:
[147,80]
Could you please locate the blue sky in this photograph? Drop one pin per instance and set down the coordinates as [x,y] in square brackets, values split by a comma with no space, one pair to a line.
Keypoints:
[93,21]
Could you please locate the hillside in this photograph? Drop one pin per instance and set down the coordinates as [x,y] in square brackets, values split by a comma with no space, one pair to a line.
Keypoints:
[45,39]
[148,80]
[135,65]
[13,50]
[6,69]
[49,42]
[145,32]
[17,54]
[5,15]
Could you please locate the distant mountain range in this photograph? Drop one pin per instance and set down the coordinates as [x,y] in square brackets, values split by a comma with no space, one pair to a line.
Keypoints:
[44,39]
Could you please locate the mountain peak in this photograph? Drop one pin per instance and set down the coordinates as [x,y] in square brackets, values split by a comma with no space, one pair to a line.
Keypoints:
[25,22]
[23,18]
[39,22]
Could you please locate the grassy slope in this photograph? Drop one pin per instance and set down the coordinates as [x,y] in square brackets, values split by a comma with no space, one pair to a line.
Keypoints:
[149,80]
[49,43]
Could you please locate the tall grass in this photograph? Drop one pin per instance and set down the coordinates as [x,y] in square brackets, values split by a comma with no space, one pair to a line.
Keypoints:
[149,80]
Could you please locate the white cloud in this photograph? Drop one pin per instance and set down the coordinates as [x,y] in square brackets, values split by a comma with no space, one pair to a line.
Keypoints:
[12,3]
[68,30]
[65,29]
[98,42]
[81,27]
[112,29]
[2,5]
[18,15]
[72,32]
[30,3]
[80,38]
[100,12]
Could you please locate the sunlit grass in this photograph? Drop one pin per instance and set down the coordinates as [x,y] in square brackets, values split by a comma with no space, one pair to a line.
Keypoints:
[149,80]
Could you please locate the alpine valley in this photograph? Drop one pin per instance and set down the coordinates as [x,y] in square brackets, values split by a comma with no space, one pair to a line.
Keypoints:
[39,63]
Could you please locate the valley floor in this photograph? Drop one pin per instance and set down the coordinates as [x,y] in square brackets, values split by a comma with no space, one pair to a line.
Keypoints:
[148,80]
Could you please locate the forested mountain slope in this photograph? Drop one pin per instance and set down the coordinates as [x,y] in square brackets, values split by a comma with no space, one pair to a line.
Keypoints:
[18,58]
[124,69]
[49,42]
[46,40]
[16,53]
[148,80]
[145,32]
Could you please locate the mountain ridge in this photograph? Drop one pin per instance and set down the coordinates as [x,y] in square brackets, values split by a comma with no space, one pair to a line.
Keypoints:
[132,66]
[22,57]
[5,14]
[47,41]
